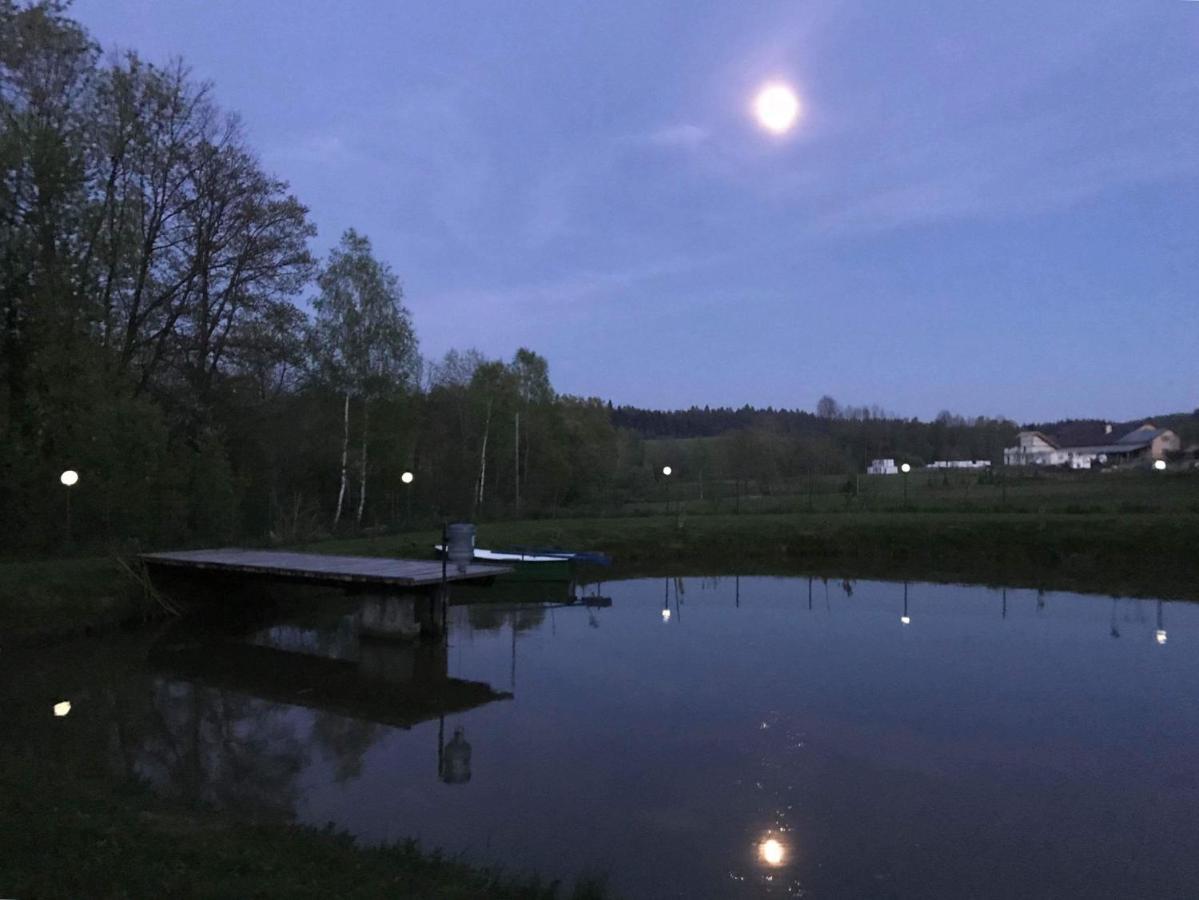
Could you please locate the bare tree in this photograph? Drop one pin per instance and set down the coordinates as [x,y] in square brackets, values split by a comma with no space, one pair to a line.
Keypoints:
[826,407]
[363,339]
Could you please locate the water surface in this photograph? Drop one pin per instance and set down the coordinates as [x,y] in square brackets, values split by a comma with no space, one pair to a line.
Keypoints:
[971,743]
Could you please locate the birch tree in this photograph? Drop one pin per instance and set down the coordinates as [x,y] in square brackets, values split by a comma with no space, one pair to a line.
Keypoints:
[365,343]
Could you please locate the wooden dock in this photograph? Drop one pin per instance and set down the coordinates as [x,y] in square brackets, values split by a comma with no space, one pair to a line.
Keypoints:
[319,568]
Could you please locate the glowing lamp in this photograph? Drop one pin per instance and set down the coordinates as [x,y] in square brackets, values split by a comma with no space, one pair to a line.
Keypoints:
[406,478]
[69,477]
[62,708]
[1160,465]
[666,470]
[905,468]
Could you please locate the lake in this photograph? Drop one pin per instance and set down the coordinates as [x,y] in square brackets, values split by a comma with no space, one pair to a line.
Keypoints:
[698,737]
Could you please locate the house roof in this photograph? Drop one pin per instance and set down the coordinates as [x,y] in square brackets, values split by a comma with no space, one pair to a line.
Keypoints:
[1043,436]
[1143,435]
[1112,449]
[1090,434]
[1087,433]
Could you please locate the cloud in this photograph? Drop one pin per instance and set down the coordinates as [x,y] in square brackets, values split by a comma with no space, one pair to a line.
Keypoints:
[497,319]
[684,136]
[318,148]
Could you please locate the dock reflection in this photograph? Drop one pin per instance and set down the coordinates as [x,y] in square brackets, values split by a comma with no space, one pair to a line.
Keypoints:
[398,683]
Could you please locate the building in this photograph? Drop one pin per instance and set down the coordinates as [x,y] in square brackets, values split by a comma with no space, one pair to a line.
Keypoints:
[1034,448]
[960,464]
[882,467]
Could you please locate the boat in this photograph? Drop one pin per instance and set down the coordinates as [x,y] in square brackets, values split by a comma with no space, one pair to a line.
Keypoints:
[592,557]
[525,566]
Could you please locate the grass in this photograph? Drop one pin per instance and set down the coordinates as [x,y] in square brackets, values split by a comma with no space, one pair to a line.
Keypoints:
[71,836]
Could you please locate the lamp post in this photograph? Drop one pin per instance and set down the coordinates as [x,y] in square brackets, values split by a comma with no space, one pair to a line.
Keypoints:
[407,478]
[69,479]
[905,468]
[666,472]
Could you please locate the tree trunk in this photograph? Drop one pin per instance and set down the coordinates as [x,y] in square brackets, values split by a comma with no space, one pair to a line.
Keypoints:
[345,451]
[483,459]
[362,467]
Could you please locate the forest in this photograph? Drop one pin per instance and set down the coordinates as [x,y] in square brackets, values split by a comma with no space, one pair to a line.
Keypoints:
[169,334]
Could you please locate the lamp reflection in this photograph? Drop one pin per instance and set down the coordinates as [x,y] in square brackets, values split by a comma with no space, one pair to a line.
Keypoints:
[1160,634]
[454,759]
[905,618]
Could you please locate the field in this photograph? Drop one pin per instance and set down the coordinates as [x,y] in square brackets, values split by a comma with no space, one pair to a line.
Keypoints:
[1009,491]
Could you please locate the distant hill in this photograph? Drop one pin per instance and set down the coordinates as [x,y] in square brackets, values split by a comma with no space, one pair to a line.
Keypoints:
[849,439]
[1091,432]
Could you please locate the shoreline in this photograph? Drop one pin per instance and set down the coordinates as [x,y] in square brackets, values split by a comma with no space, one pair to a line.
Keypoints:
[1130,554]
[79,835]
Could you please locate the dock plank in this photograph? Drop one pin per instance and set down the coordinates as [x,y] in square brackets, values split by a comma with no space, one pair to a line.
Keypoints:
[322,568]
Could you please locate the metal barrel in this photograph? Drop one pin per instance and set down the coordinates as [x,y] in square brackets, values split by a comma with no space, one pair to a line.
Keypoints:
[461,541]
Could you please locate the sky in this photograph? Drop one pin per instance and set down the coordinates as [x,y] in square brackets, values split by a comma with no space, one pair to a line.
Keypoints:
[990,208]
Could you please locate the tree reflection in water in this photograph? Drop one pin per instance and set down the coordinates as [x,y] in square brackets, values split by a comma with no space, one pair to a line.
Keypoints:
[493,618]
[221,749]
[344,742]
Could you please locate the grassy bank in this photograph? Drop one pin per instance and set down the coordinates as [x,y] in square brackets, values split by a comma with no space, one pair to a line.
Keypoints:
[80,837]
[47,599]
[1142,554]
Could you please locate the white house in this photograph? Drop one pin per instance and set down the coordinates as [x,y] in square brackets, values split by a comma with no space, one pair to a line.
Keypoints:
[1033,449]
[960,464]
[1037,449]
[882,467]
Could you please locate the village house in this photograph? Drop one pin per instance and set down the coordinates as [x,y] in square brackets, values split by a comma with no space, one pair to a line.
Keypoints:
[1081,450]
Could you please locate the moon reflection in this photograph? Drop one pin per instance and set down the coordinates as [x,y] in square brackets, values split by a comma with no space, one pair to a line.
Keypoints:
[772,852]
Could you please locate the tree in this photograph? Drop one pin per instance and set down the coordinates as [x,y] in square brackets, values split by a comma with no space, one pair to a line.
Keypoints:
[826,407]
[364,341]
[494,387]
[46,75]
[532,375]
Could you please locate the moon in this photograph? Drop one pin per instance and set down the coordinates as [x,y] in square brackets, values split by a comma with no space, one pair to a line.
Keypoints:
[777,108]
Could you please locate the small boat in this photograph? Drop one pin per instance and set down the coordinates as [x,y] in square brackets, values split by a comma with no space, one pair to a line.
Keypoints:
[525,566]
[592,557]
